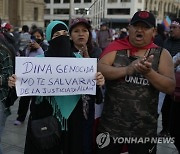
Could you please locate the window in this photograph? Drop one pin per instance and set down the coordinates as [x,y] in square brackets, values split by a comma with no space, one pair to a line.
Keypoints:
[47,11]
[47,1]
[81,11]
[87,1]
[61,11]
[46,22]
[118,11]
[77,1]
[57,1]
[35,14]
[112,1]
[66,1]
[125,0]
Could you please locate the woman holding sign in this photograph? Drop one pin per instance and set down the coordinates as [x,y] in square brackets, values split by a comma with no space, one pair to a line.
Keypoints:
[81,42]
[67,109]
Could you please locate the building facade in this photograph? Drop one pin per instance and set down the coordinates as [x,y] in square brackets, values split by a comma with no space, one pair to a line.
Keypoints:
[22,12]
[66,9]
[119,12]
[163,8]
[115,12]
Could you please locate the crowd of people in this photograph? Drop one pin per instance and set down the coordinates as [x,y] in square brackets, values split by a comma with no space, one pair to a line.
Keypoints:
[134,67]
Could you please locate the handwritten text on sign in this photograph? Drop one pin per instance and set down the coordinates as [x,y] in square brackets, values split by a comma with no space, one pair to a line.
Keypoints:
[45,76]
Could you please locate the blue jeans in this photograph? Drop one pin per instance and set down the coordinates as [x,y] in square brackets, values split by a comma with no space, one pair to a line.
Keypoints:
[2,122]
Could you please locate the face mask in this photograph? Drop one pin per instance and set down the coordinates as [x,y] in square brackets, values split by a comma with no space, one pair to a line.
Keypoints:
[38,41]
[59,47]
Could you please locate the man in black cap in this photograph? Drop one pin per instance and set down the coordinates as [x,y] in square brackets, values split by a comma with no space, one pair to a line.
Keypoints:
[135,70]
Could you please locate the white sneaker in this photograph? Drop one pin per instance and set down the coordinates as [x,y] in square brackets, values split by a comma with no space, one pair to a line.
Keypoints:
[17,122]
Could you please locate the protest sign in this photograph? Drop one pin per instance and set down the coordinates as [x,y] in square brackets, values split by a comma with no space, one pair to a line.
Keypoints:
[49,76]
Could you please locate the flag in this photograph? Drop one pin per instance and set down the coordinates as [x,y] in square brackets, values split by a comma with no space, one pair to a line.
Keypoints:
[166,22]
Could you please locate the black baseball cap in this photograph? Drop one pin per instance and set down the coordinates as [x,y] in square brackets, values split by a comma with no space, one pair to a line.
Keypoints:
[144,16]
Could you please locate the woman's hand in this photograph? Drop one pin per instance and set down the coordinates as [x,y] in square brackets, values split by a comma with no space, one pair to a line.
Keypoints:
[12,81]
[35,45]
[84,51]
[100,79]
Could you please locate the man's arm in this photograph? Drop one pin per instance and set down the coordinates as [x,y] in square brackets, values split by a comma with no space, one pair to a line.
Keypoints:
[164,80]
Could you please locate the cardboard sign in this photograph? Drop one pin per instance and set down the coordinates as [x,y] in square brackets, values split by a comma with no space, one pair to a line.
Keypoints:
[49,76]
